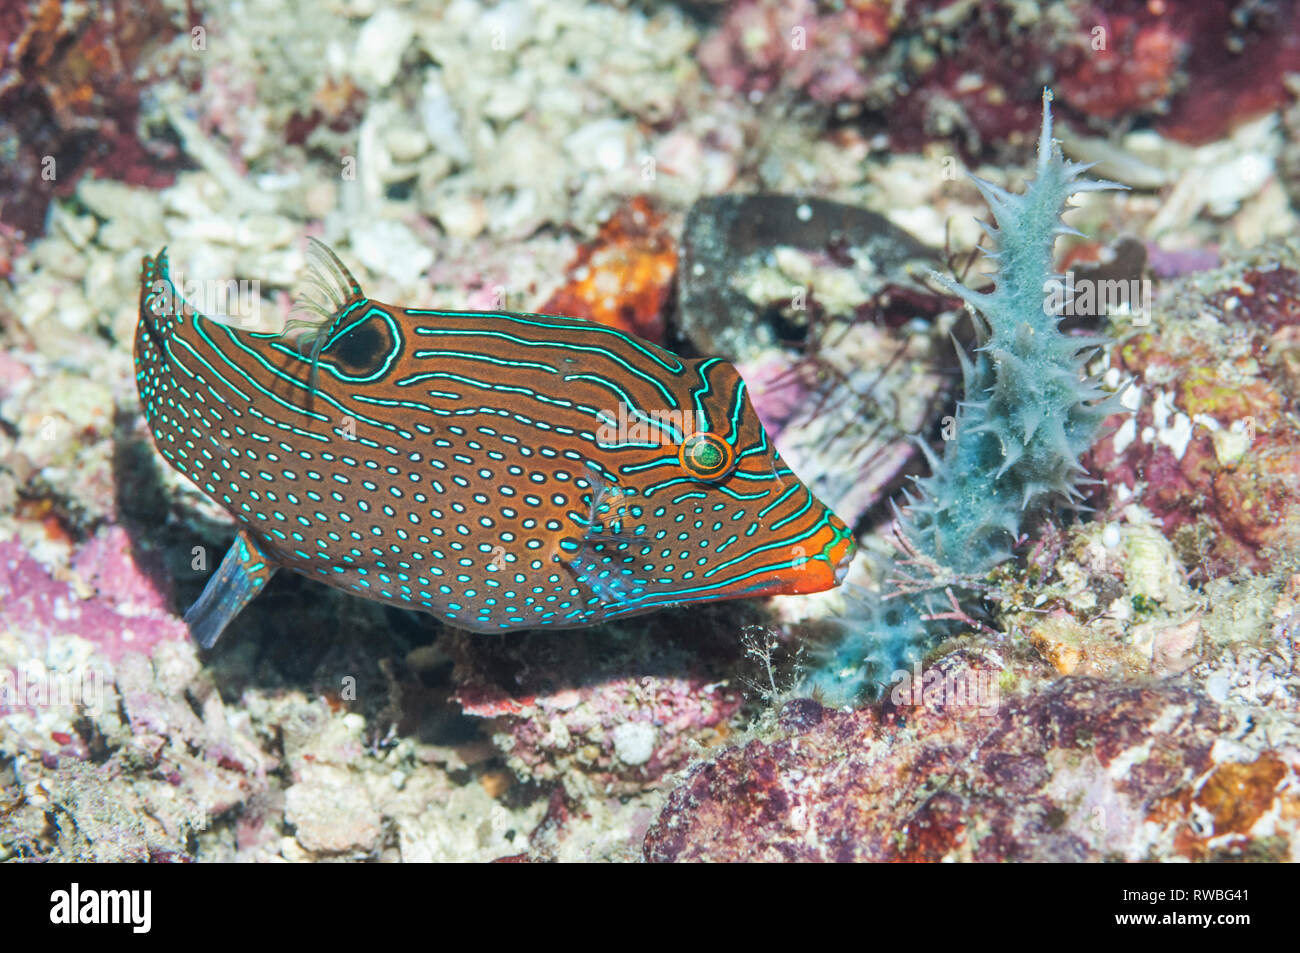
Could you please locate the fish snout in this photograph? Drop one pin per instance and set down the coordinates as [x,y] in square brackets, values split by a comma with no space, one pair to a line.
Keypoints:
[846,559]
[821,562]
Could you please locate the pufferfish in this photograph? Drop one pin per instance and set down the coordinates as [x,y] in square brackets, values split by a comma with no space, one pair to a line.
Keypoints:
[501,471]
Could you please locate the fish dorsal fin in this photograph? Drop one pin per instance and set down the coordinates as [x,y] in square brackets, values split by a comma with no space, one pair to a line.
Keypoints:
[330,291]
[331,288]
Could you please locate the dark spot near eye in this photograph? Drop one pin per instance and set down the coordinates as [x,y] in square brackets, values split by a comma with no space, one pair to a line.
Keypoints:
[361,350]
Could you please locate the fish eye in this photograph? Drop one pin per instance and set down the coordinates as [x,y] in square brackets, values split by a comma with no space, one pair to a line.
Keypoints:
[706,456]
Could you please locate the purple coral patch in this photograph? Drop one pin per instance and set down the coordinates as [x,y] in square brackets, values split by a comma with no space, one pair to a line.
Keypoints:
[128,614]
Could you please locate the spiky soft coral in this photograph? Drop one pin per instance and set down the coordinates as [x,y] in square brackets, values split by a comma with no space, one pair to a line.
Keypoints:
[1029,412]
[880,635]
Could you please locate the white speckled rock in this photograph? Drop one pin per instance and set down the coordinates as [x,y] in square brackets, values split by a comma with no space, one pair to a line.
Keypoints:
[460,215]
[605,144]
[330,813]
[392,249]
[634,742]
[115,200]
[379,47]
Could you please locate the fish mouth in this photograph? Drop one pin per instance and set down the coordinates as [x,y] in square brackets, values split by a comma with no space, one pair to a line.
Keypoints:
[817,573]
[846,560]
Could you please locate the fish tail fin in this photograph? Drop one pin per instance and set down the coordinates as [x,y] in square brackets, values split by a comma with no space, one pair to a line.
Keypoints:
[153,279]
[331,290]
[243,572]
[161,305]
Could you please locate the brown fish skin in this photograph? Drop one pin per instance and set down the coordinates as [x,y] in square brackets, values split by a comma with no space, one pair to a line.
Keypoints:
[501,471]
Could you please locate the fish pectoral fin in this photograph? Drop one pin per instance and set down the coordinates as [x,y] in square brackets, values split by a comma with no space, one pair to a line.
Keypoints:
[605,589]
[606,584]
[243,572]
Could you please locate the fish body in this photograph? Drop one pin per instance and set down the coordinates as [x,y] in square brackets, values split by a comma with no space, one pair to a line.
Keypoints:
[501,471]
